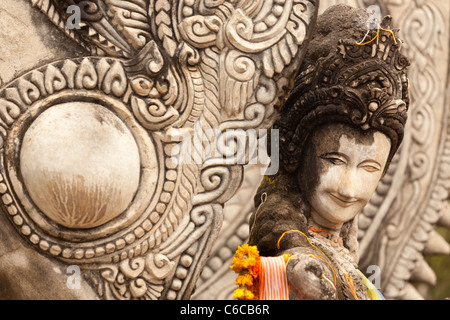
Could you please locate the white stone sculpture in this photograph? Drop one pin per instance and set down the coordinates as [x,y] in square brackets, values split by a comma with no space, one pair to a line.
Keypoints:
[397,229]
[90,145]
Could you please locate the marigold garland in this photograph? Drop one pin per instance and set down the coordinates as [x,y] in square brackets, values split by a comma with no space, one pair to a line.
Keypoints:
[247,264]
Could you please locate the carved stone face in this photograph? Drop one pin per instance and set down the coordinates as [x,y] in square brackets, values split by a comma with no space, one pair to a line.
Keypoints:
[341,169]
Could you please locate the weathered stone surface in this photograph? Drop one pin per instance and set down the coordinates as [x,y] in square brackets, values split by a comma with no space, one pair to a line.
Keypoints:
[80,164]
[162,74]
[402,203]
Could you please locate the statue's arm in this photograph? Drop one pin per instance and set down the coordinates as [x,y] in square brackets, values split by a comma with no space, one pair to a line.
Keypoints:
[309,276]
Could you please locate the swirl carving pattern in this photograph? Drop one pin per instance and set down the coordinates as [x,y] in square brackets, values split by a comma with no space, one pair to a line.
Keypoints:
[397,227]
[159,66]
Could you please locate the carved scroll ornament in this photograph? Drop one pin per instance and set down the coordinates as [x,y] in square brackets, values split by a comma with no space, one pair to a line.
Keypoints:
[397,229]
[153,69]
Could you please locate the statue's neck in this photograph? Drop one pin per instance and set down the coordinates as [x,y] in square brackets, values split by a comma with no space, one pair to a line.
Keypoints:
[333,239]
[329,233]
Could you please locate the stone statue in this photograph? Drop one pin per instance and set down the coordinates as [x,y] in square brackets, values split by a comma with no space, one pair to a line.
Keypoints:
[399,230]
[339,130]
[97,199]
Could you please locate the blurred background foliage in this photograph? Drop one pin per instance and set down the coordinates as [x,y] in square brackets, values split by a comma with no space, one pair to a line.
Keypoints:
[441,266]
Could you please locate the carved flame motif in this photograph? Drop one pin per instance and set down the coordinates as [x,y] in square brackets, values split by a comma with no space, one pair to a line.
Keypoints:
[157,65]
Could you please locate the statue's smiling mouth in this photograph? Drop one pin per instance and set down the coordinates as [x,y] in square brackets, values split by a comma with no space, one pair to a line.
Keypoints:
[342,201]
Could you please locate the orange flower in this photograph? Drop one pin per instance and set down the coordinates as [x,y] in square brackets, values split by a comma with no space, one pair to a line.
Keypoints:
[247,264]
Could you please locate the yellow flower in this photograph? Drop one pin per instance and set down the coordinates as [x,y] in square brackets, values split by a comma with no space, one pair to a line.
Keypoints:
[246,250]
[247,263]
[246,257]
[244,294]
[245,280]
[239,293]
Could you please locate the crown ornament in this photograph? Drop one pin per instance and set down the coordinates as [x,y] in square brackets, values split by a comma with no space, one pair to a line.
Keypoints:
[361,83]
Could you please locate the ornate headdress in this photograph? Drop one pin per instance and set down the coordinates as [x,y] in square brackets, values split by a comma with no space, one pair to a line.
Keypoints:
[362,83]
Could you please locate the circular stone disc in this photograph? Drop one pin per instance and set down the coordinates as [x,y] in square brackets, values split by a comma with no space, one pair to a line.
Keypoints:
[80,164]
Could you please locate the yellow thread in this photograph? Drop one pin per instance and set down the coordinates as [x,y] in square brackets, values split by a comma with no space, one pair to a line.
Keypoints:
[332,270]
[351,285]
[286,257]
[263,199]
[329,281]
[390,31]
[279,240]
[312,255]
[291,257]
[376,37]
[367,33]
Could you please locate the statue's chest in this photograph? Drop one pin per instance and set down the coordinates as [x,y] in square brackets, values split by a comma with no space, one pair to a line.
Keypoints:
[348,278]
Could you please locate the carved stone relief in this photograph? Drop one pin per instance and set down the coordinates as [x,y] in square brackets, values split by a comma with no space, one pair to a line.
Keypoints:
[121,62]
[397,228]
[415,199]
[92,168]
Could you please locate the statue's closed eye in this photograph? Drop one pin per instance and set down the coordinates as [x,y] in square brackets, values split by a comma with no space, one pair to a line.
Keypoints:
[340,159]
[370,166]
[334,158]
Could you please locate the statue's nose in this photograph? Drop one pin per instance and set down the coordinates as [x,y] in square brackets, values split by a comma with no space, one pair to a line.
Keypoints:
[348,184]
